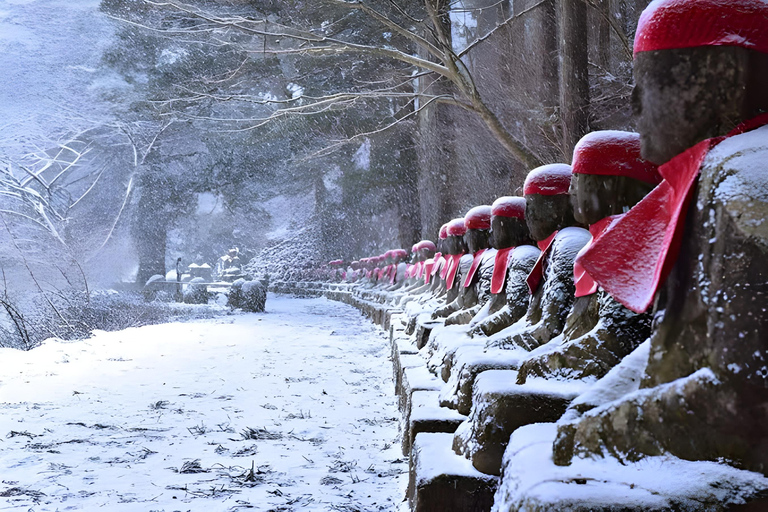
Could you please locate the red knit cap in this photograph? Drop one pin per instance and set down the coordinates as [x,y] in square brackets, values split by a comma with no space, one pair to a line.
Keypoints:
[456,227]
[672,24]
[478,217]
[548,180]
[426,245]
[443,232]
[509,206]
[399,253]
[613,153]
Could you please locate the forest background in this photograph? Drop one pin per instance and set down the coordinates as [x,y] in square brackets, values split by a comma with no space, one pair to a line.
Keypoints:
[137,132]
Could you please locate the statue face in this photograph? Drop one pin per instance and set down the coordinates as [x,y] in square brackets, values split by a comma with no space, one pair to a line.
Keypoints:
[546,214]
[684,96]
[595,197]
[508,232]
[476,239]
[455,244]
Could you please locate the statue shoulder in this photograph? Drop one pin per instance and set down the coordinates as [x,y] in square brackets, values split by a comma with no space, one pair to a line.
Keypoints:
[734,176]
[568,242]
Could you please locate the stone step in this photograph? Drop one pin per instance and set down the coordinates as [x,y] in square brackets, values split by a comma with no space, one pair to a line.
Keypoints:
[427,416]
[441,481]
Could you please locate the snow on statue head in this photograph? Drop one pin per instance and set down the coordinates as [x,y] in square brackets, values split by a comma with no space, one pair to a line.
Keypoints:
[454,241]
[424,249]
[441,238]
[547,204]
[609,175]
[478,223]
[508,227]
[701,68]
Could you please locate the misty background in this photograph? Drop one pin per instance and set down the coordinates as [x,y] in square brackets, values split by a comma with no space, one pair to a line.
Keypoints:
[133,133]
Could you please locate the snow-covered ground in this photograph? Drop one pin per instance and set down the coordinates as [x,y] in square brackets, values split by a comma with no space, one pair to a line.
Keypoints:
[292,409]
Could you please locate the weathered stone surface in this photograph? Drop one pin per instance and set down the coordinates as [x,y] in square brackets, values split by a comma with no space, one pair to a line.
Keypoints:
[500,407]
[706,384]
[612,332]
[441,481]
[427,416]
[531,482]
[551,303]
[468,364]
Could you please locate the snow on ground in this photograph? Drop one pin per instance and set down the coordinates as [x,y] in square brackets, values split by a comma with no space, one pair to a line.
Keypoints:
[292,409]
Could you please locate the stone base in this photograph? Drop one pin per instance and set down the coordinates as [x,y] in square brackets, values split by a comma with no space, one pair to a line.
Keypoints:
[500,407]
[468,364]
[441,481]
[414,379]
[531,481]
[427,416]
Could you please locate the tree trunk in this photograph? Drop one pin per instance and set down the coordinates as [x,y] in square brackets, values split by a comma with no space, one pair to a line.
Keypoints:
[149,230]
[574,73]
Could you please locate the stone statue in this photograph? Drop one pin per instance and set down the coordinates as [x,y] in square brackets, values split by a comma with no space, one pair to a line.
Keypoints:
[697,244]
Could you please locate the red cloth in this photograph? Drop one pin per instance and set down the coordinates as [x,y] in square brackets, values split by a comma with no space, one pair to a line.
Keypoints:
[436,265]
[635,255]
[671,24]
[500,264]
[509,206]
[613,153]
[419,271]
[476,258]
[428,266]
[548,180]
[537,272]
[453,267]
[478,217]
[446,263]
[585,285]
[457,227]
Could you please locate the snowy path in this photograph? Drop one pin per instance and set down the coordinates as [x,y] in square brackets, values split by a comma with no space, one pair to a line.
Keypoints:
[175,416]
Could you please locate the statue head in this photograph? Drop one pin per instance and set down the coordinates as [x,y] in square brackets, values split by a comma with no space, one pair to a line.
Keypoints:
[701,68]
[478,223]
[609,175]
[547,204]
[424,250]
[454,241]
[441,238]
[508,226]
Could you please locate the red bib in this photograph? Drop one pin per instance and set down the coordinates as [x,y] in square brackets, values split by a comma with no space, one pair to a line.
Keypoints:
[585,285]
[635,255]
[452,268]
[500,264]
[537,272]
[428,266]
[473,269]
[436,265]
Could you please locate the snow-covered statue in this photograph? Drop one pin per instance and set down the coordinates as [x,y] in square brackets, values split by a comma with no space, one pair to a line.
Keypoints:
[609,177]
[457,260]
[423,252]
[513,262]
[475,284]
[697,245]
[549,216]
[228,266]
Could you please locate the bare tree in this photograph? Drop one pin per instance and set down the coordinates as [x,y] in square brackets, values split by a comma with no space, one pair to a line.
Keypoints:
[419,39]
